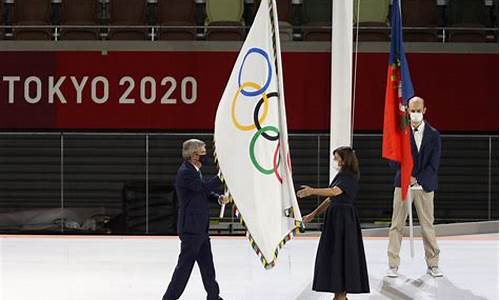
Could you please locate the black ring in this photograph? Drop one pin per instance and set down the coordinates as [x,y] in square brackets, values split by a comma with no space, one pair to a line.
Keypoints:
[256,116]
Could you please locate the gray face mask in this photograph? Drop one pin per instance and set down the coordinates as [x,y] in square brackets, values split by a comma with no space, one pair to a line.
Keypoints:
[416,117]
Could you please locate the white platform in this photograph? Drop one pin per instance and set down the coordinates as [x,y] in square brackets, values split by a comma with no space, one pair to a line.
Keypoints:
[139,268]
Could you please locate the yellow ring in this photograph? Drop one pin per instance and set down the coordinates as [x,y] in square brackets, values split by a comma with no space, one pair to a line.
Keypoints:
[233,107]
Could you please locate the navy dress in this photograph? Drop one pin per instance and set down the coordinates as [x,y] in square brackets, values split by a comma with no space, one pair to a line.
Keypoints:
[340,260]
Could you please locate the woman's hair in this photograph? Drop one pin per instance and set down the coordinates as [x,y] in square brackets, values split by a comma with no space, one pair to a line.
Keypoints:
[189,147]
[350,162]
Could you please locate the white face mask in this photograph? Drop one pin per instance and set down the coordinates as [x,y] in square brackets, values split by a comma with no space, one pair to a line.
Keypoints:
[416,117]
[336,165]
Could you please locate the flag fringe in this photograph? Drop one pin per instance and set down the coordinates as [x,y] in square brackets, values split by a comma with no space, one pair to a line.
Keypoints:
[299,225]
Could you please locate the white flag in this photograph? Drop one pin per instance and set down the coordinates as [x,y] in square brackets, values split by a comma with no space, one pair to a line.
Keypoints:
[251,140]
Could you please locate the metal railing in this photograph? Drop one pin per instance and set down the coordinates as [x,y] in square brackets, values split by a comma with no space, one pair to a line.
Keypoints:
[441,33]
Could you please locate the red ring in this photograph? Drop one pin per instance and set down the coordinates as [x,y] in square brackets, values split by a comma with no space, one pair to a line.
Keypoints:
[275,162]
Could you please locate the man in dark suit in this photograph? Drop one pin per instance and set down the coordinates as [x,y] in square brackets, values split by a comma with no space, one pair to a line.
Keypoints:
[193,193]
[426,152]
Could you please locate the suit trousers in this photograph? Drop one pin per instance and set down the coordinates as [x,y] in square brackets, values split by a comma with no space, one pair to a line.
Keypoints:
[194,248]
[424,205]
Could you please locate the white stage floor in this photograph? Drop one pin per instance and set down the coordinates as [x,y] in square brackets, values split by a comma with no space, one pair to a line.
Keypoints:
[139,268]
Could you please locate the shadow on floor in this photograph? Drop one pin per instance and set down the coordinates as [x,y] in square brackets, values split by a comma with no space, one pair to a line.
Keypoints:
[425,287]
[403,288]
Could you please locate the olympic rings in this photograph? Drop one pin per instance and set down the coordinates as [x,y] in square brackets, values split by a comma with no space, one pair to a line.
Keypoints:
[269,73]
[258,121]
[233,108]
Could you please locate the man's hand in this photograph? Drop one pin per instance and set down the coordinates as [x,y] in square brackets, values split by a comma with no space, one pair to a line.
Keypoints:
[413,180]
[308,218]
[223,199]
[306,191]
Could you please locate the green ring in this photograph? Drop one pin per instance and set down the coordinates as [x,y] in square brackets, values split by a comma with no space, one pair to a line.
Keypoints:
[252,149]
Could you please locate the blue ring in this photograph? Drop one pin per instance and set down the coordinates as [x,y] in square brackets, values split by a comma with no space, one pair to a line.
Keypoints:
[269,73]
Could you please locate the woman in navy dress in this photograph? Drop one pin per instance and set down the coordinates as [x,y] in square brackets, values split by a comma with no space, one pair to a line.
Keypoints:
[340,261]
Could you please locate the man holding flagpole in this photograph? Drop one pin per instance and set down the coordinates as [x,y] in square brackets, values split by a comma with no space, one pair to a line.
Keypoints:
[415,155]
[194,192]
[426,153]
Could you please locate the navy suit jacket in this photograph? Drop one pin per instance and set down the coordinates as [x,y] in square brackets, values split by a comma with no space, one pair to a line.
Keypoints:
[425,162]
[193,194]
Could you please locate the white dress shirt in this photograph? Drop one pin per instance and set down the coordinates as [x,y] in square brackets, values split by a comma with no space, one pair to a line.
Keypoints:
[418,134]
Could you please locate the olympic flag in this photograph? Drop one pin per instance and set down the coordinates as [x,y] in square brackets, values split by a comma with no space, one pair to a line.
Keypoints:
[251,140]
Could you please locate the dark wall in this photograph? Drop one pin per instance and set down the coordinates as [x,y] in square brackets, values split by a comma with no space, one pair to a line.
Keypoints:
[92,171]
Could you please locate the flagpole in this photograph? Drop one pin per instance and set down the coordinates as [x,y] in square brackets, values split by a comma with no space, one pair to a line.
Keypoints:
[221,214]
[279,71]
[226,193]
[284,150]
[410,212]
[396,138]
[409,198]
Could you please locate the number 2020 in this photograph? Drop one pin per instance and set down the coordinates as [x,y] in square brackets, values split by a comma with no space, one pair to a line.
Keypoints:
[147,90]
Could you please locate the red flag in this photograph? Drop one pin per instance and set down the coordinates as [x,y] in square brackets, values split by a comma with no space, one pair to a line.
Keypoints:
[396,143]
